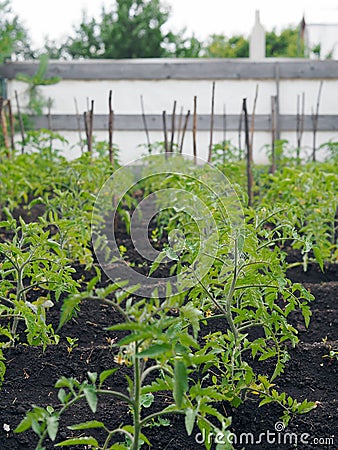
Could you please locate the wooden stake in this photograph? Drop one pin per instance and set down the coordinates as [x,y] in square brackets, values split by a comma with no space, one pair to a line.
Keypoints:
[273,133]
[164,119]
[248,154]
[11,125]
[212,121]
[277,78]
[49,118]
[173,117]
[4,124]
[110,129]
[252,127]
[86,116]
[300,124]
[145,125]
[194,129]
[184,130]
[224,123]
[89,119]
[224,132]
[78,121]
[240,126]
[22,129]
[315,122]
[179,128]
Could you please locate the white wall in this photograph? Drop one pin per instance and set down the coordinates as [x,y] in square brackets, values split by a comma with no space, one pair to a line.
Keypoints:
[160,94]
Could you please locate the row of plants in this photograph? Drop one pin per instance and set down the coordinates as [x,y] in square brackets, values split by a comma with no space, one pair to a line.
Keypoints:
[205,344]
[38,255]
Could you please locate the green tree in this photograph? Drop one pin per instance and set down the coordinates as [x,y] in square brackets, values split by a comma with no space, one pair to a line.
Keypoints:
[180,45]
[13,36]
[220,46]
[286,44]
[133,29]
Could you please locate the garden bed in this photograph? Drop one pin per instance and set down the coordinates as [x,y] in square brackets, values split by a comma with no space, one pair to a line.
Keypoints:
[221,347]
[32,373]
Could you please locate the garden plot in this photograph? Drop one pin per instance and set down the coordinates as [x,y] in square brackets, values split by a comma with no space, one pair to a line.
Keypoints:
[246,354]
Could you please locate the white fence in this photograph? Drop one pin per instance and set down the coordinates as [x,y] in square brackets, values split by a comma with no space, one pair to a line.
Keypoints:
[161,82]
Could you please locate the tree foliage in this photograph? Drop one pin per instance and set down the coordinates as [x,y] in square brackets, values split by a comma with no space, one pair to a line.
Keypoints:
[287,43]
[133,29]
[137,29]
[13,36]
[221,46]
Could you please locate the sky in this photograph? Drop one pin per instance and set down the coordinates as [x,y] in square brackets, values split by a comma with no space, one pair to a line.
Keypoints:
[56,18]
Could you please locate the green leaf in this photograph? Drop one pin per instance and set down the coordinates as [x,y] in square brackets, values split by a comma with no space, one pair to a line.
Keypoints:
[62,395]
[306,312]
[265,401]
[157,262]
[180,381]
[52,426]
[147,400]
[92,376]
[190,417]
[154,350]
[269,354]
[24,425]
[171,254]
[78,441]
[105,374]
[69,308]
[131,430]
[87,425]
[319,257]
[91,397]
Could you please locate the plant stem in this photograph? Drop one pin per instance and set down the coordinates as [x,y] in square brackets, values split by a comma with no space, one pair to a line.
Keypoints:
[230,296]
[137,400]
[111,433]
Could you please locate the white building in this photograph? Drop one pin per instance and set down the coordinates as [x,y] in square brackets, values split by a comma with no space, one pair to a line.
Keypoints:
[322,37]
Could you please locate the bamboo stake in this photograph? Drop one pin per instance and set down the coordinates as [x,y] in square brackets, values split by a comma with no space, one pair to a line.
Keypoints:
[184,130]
[315,122]
[49,118]
[277,77]
[224,132]
[252,126]
[224,123]
[173,117]
[145,125]
[194,128]
[179,128]
[212,116]
[300,124]
[164,119]
[89,119]
[11,125]
[240,126]
[110,129]
[248,154]
[86,124]
[273,133]
[78,121]
[4,124]
[22,129]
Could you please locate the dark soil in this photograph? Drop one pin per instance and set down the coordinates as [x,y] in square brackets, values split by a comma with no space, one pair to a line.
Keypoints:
[32,373]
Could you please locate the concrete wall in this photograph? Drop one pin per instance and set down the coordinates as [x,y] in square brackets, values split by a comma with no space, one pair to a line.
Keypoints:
[160,82]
